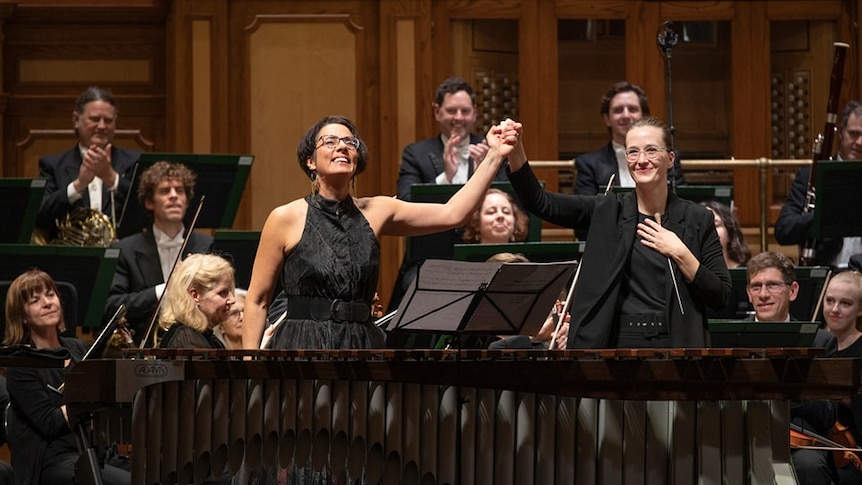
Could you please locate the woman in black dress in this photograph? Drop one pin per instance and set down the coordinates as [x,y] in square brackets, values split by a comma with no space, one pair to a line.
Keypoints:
[325,245]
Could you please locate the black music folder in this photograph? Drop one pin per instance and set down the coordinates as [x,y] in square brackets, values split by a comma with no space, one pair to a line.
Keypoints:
[20,199]
[751,334]
[460,297]
[222,178]
[838,205]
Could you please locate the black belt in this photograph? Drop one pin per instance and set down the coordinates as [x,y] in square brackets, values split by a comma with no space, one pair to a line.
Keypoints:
[649,326]
[303,308]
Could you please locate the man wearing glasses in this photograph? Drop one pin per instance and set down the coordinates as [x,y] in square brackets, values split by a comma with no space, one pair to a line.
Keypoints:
[771,286]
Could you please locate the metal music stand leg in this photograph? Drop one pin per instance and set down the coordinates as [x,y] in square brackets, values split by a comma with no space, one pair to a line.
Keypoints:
[87,471]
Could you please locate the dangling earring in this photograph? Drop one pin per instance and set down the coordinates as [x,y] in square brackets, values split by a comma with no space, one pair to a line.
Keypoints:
[315,185]
[353,186]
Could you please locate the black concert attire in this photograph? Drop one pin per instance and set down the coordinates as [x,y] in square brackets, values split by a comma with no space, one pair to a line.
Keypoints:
[139,271]
[794,225]
[181,336]
[612,303]
[817,467]
[44,449]
[330,278]
[62,169]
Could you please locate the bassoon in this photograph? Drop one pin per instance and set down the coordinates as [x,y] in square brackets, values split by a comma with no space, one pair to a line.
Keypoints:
[823,146]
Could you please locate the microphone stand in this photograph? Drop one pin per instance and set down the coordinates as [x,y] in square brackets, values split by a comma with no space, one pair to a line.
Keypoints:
[666,40]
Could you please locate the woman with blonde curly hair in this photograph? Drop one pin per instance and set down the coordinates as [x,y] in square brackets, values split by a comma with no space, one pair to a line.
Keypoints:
[498,220]
[198,298]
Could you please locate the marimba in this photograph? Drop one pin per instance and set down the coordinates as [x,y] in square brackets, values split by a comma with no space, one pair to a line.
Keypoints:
[470,417]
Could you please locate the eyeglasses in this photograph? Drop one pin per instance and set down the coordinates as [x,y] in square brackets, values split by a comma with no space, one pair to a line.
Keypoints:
[771,286]
[331,141]
[652,153]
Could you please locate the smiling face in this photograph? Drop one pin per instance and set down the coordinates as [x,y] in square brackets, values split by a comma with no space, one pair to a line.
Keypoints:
[169,202]
[43,311]
[456,115]
[841,307]
[339,160]
[496,219]
[215,302]
[771,295]
[646,172]
[96,124]
[624,109]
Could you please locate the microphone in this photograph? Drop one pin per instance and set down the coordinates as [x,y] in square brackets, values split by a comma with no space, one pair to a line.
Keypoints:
[667,38]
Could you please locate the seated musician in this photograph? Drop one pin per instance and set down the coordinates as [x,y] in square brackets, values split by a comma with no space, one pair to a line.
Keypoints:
[498,220]
[146,258]
[842,310]
[652,263]
[230,330]
[198,299]
[43,447]
[736,252]
[771,287]
[794,223]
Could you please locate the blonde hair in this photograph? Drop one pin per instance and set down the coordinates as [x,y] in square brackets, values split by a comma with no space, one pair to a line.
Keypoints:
[20,291]
[854,279]
[200,272]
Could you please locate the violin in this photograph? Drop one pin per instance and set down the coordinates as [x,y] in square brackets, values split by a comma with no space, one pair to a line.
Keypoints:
[844,454]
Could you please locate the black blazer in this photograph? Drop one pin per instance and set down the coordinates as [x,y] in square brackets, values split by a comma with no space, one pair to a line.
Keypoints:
[422,162]
[594,169]
[138,272]
[612,221]
[61,169]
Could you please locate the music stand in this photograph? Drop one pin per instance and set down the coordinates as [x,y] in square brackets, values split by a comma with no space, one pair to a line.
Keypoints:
[241,247]
[221,178]
[537,252]
[838,207]
[89,269]
[20,199]
[733,333]
[459,297]
[811,280]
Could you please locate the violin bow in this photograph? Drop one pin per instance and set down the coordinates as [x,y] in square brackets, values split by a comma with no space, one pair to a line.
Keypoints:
[179,256]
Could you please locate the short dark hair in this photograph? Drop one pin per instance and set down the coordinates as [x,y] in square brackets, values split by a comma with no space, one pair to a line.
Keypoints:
[95,93]
[624,87]
[161,171]
[308,143]
[772,259]
[852,107]
[655,123]
[452,86]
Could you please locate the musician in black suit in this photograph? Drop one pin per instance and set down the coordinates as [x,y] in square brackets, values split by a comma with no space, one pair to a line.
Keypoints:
[794,224]
[449,158]
[452,156]
[146,258]
[622,104]
[90,175]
